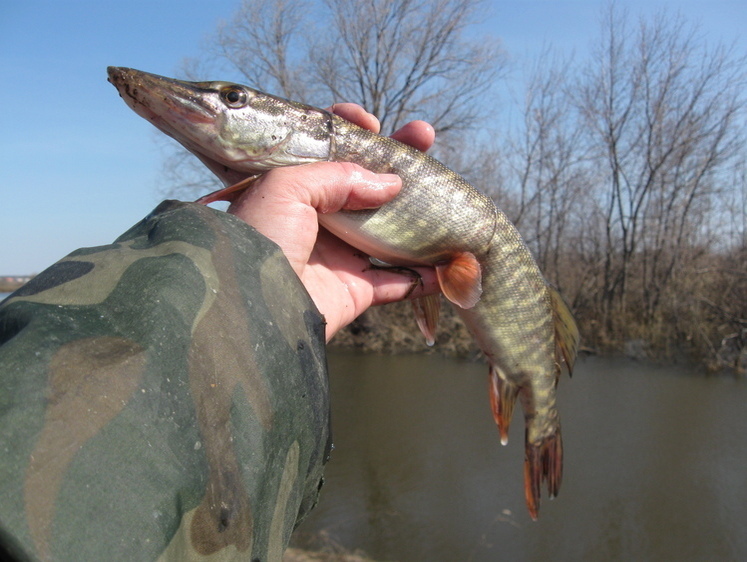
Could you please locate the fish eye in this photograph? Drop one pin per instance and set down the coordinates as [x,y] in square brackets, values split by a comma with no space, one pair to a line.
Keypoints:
[233,96]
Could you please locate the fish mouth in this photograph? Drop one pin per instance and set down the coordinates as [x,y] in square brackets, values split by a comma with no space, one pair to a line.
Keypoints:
[187,109]
[151,96]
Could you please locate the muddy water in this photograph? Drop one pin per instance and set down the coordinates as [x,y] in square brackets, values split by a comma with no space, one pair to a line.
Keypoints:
[656,465]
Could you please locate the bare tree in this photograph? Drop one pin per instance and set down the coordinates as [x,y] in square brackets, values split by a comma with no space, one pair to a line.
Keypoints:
[548,158]
[405,59]
[662,109]
[266,43]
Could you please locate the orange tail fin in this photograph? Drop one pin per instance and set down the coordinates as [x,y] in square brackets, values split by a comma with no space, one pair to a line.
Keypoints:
[542,461]
[502,399]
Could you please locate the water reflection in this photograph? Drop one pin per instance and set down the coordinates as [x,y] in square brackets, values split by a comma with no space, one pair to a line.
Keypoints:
[655,465]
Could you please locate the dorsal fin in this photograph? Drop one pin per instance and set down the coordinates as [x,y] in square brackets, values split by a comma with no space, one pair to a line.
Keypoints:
[566,330]
[461,279]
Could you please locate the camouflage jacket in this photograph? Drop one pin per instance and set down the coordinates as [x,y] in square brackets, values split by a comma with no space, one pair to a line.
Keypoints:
[164,397]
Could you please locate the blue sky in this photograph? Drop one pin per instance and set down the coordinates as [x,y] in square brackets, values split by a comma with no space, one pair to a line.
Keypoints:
[77,167]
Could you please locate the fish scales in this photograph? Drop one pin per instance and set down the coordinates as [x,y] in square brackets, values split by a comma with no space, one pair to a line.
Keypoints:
[434,199]
[484,268]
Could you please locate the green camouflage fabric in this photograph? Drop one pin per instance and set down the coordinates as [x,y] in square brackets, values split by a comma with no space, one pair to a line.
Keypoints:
[164,397]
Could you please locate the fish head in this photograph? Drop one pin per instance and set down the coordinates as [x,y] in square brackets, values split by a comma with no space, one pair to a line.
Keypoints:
[235,130]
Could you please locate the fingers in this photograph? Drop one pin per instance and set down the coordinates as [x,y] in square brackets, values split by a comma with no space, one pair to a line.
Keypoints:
[397,284]
[355,269]
[361,285]
[418,134]
[348,186]
[356,114]
[283,203]
[326,186]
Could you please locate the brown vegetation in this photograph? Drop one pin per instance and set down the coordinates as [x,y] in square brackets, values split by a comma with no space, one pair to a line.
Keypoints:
[702,318]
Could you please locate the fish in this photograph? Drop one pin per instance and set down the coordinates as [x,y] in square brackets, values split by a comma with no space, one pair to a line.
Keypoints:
[485,270]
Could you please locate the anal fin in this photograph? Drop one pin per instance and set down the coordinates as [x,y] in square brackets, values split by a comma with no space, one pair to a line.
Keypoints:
[502,399]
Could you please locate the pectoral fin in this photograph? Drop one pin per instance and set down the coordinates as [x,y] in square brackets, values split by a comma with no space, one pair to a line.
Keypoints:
[427,310]
[461,279]
[228,193]
[566,330]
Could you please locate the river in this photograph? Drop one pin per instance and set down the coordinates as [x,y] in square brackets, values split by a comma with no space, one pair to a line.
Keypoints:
[656,465]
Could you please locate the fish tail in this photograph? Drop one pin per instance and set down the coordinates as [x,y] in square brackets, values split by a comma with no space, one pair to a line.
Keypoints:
[502,399]
[542,461]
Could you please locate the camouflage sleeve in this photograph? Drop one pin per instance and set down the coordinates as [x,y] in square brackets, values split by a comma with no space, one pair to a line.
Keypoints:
[162,398]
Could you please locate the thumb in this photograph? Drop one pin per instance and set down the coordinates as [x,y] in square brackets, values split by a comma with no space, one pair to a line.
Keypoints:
[283,203]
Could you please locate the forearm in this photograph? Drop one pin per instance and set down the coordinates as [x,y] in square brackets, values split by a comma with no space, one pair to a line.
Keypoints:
[165,392]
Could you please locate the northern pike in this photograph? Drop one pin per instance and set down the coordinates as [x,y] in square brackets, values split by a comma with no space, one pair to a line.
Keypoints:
[438,219]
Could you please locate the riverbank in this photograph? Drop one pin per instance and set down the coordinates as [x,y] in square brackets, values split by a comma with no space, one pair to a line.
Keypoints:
[391,329]
[8,285]
[721,346]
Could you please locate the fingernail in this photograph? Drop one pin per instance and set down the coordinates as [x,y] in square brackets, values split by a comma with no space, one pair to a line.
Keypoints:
[389,178]
[373,180]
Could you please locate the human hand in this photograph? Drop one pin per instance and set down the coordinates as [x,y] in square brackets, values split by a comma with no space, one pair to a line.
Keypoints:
[283,205]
